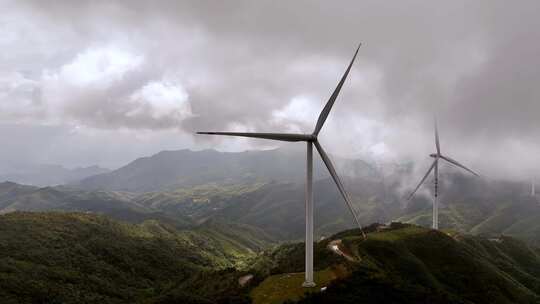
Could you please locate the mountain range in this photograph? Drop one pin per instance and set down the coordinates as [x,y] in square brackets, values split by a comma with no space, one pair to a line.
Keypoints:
[168,170]
[264,189]
[64,257]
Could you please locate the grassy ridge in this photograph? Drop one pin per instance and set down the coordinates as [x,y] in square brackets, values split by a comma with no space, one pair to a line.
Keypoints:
[410,264]
[405,264]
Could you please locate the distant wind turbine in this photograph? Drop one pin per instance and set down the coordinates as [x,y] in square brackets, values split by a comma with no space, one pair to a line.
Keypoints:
[310,139]
[533,191]
[435,167]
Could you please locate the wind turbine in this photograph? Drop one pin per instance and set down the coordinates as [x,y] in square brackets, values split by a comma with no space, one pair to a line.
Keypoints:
[435,168]
[311,140]
[533,191]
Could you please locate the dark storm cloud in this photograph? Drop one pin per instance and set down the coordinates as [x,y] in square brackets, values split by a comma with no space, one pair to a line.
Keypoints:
[251,65]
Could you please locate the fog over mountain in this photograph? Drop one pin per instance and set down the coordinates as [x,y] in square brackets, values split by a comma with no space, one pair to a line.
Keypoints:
[46,175]
[95,82]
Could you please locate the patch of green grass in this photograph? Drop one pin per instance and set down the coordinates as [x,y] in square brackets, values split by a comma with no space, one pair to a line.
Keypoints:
[398,234]
[279,288]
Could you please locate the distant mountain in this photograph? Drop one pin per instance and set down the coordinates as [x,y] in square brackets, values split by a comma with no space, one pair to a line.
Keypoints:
[468,204]
[9,192]
[185,168]
[275,208]
[265,189]
[481,207]
[15,197]
[278,208]
[50,175]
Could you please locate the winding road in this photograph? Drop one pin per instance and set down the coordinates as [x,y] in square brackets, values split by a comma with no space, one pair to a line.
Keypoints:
[334,247]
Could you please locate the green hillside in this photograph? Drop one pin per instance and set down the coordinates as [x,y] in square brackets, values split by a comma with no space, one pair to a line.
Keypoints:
[276,208]
[410,264]
[490,217]
[468,205]
[85,258]
[119,205]
[265,189]
[198,202]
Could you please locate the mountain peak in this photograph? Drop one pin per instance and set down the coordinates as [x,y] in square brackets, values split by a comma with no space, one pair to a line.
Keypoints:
[184,168]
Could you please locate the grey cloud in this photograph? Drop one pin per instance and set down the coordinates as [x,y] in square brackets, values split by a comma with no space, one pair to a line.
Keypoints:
[239,61]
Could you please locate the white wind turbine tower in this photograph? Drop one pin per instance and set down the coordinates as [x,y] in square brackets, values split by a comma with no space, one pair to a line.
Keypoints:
[435,167]
[310,139]
[533,191]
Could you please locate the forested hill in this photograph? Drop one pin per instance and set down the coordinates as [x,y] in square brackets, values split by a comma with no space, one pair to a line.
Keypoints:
[83,258]
[408,264]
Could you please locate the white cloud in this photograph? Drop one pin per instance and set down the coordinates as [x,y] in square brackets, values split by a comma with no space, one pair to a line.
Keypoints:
[162,98]
[17,96]
[298,114]
[98,67]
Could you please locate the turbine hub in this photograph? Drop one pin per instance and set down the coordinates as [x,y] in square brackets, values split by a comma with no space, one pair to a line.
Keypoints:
[434,155]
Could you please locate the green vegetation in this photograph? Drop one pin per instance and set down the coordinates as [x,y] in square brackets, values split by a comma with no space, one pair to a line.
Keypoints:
[409,264]
[275,208]
[192,186]
[199,202]
[518,217]
[467,205]
[119,205]
[180,246]
[280,288]
[85,258]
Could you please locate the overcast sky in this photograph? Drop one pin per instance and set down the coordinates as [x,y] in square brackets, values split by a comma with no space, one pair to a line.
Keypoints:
[104,82]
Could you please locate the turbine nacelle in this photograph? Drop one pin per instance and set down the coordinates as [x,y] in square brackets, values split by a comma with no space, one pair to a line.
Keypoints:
[434,155]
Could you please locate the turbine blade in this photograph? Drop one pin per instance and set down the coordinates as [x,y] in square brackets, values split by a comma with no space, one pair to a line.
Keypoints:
[330,102]
[437,144]
[336,179]
[455,163]
[272,136]
[423,179]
